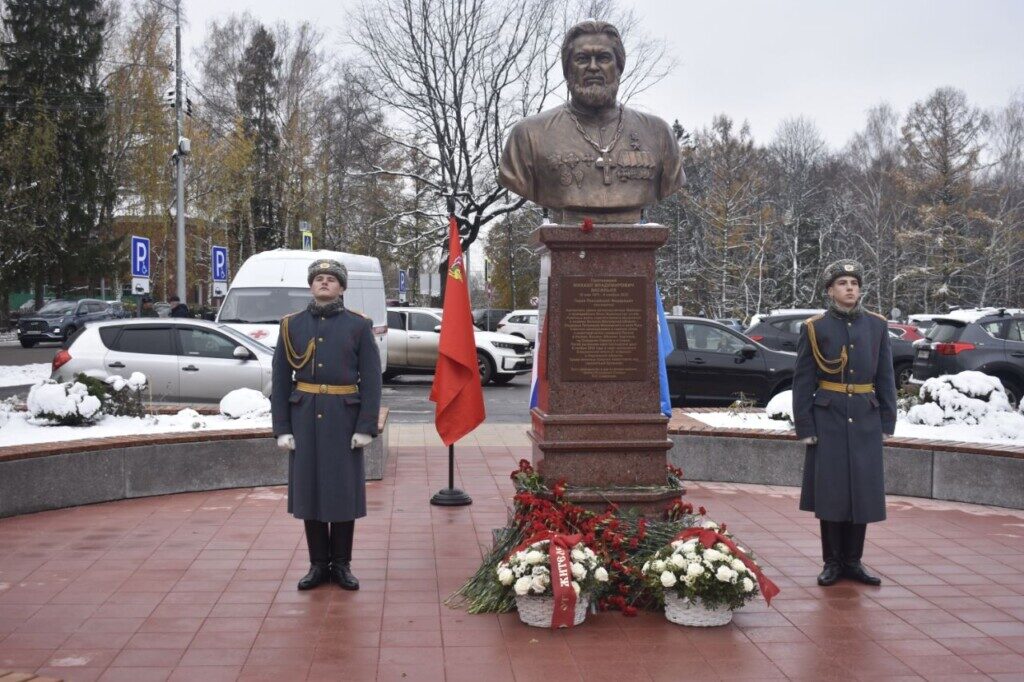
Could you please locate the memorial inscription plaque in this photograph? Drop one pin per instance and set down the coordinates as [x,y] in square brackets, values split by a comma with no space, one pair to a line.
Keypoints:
[603,330]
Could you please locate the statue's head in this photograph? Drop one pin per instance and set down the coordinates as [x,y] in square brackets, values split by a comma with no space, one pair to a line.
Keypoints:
[593,59]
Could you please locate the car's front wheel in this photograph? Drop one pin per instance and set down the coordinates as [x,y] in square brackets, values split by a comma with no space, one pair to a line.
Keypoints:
[904,372]
[502,379]
[1014,391]
[25,343]
[486,368]
[69,332]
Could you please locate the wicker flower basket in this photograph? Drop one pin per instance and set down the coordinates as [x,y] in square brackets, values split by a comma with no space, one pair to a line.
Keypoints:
[537,610]
[684,612]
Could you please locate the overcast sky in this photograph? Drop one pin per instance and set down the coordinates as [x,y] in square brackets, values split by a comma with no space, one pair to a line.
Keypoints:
[765,61]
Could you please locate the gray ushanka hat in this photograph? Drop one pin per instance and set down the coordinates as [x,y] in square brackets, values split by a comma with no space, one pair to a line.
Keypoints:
[328,267]
[842,268]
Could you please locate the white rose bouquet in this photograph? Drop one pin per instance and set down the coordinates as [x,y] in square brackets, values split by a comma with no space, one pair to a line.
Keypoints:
[528,571]
[715,575]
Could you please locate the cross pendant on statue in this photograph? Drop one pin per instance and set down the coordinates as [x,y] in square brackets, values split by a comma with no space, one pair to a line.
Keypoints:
[605,163]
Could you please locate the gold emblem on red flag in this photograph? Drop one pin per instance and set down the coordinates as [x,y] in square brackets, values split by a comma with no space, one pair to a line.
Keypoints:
[455,271]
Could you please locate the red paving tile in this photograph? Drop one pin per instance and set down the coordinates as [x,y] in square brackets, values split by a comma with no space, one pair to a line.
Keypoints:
[202,587]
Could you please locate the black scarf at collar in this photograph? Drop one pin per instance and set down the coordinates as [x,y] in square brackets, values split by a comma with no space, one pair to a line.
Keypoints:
[845,313]
[327,309]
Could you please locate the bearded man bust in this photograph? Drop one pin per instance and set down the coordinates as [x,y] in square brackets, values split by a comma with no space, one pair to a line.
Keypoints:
[592,157]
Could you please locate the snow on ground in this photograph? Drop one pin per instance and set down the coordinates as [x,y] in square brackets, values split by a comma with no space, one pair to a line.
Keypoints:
[22,375]
[15,428]
[245,402]
[988,433]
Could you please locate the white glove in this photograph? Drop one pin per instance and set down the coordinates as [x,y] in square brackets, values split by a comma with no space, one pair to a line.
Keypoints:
[286,441]
[810,440]
[360,440]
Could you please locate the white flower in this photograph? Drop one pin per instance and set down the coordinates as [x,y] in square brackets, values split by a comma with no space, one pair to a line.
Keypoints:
[724,549]
[579,572]
[689,546]
[541,570]
[520,557]
[668,579]
[576,587]
[505,575]
[725,574]
[676,544]
[602,575]
[678,561]
[708,523]
[578,554]
[534,557]
[739,566]
[692,556]
[748,585]
[523,585]
[646,566]
[658,566]
[539,584]
[694,570]
[589,552]
[713,555]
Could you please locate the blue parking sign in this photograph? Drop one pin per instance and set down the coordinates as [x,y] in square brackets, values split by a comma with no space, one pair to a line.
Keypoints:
[140,256]
[402,281]
[219,262]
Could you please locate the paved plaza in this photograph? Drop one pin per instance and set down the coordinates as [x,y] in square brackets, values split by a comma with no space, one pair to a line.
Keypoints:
[201,586]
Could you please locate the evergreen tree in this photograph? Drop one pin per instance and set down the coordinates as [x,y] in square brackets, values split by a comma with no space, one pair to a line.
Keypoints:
[256,94]
[51,87]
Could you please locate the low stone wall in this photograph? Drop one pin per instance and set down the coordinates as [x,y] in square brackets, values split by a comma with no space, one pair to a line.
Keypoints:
[942,470]
[70,473]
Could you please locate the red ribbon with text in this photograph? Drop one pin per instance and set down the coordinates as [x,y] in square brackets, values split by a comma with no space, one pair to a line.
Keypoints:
[560,562]
[709,536]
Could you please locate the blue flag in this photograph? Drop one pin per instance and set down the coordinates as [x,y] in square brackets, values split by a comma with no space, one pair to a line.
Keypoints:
[665,348]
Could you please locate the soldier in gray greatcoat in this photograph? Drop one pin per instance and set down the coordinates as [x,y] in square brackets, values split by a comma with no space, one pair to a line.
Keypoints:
[325,404]
[844,405]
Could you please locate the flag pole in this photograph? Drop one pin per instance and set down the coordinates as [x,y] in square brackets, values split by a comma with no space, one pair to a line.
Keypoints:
[451,496]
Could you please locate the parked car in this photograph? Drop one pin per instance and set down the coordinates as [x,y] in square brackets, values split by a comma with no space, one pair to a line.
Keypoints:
[521,323]
[782,332]
[185,360]
[712,363]
[488,319]
[59,319]
[414,336]
[732,323]
[989,340]
[117,310]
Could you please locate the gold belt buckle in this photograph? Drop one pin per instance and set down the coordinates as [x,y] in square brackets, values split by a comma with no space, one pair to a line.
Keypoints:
[849,388]
[323,388]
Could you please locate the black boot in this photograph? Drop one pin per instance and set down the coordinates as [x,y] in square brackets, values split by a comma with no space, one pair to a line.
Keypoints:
[342,533]
[317,540]
[853,550]
[831,553]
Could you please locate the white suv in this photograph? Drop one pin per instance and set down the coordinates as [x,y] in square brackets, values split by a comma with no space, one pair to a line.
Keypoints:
[521,323]
[414,335]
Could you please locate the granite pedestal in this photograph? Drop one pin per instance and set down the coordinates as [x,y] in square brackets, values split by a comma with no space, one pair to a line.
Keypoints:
[598,424]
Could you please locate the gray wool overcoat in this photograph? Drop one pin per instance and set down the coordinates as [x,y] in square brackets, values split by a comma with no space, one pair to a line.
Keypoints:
[326,479]
[843,476]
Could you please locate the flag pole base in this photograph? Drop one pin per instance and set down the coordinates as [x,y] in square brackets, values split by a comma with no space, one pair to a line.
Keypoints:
[450,497]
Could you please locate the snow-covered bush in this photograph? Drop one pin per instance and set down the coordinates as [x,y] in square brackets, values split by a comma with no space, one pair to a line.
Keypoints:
[67,404]
[86,399]
[970,398]
[964,398]
[780,407]
[244,403]
[197,419]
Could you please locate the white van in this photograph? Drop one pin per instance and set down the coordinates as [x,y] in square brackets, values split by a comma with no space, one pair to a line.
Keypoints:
[272,284]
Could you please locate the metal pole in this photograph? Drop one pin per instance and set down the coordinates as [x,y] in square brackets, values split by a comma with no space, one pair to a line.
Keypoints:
[451,496]
[179,159]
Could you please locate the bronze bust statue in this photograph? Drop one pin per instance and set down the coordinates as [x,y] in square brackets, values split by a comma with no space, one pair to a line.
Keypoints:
[592,157]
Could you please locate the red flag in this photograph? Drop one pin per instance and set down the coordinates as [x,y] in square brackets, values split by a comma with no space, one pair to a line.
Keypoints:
[456,389]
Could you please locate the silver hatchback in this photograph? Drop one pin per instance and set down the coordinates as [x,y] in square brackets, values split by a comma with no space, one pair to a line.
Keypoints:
[185,360]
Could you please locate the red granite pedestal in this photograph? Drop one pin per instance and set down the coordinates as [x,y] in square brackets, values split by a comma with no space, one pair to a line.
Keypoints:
[598,424]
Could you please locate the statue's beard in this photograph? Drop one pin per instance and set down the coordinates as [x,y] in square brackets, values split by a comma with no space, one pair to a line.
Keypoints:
[594,96]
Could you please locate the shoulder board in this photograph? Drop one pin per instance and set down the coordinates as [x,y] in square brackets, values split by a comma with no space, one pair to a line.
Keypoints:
[881,317]
[356,312]
[291,315]
[815,318]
